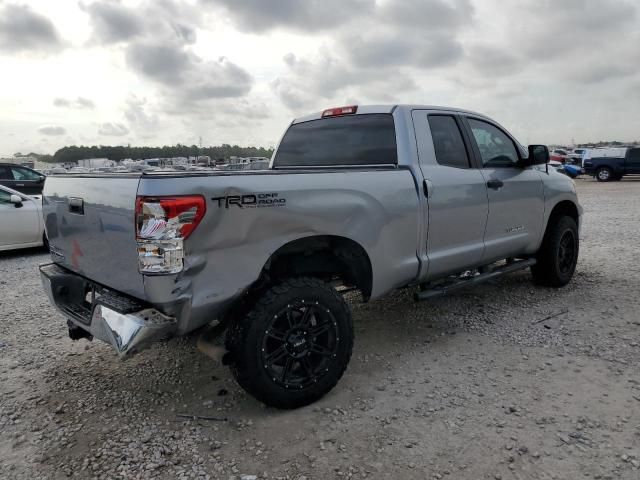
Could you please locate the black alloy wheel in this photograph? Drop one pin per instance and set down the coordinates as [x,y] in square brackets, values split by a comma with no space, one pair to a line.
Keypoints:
[293,344]
[299,344]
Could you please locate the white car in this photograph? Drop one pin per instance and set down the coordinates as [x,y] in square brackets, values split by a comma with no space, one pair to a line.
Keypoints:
[21,220]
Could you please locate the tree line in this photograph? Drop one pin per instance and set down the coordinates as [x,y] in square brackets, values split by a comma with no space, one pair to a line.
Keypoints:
[74,153]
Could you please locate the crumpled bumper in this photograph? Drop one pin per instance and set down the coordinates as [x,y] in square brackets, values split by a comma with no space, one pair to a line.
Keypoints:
[126,324]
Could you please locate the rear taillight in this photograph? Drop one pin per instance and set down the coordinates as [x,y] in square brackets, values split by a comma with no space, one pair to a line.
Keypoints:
[162,225]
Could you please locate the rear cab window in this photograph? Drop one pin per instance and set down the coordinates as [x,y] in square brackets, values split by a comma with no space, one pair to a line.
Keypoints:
[350,140]
[447,142]
[634,154]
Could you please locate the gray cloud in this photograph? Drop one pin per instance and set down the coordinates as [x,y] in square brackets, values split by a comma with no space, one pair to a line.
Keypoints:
[421,51]
[23,30]
[113,129]
[114,22]
[82,102]
[217,79]
[136,114]
[492,60]
[310,83]
[575,46]
[52,130]
[400,34]
[306,15]
[427,15]
[189,77]
[575,26]
[159,62]
[157,36]
[77,103]
[61,102]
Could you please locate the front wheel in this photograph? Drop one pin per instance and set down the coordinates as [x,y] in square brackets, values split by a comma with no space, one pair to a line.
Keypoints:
[604,174]
[294,345]
[558,255]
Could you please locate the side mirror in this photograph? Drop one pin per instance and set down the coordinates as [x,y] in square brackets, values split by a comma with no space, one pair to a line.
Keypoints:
[16,200]
[538,155]
[41,179]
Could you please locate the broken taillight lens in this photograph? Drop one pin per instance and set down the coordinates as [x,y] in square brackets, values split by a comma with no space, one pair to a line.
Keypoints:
[162,225]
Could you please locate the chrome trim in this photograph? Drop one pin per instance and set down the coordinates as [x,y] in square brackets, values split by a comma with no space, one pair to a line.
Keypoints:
[129,333]
[341,167]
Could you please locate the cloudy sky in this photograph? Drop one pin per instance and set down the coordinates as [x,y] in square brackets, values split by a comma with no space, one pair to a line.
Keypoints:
[152,72]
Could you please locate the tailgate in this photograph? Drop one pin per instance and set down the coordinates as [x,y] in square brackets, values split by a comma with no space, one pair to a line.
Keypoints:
[91,230]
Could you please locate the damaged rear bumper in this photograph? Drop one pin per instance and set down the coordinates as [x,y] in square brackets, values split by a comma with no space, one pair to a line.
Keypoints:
[125,323]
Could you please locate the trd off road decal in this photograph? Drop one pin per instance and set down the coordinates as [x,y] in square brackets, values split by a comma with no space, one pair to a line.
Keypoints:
[251,200]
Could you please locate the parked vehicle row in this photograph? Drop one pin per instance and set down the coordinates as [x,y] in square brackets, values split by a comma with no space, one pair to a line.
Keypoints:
[572,157]
[369,197]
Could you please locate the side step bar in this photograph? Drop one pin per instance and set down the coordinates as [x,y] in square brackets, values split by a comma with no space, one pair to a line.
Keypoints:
[441,290]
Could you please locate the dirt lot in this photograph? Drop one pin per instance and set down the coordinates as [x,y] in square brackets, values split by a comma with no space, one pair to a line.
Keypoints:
[504,381]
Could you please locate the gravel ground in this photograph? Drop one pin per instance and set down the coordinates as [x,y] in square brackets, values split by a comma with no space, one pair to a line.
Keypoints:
[503,381]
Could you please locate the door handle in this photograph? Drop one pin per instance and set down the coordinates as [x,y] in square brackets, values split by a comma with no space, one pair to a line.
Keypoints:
[495,184]
[427,188]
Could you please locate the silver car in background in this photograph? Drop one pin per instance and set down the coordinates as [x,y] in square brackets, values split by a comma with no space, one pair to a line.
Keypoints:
[21,224]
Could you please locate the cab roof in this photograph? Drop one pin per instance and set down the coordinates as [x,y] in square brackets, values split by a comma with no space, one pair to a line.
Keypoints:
[369,109]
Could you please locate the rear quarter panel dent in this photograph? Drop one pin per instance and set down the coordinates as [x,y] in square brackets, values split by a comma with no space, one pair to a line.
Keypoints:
[226,253]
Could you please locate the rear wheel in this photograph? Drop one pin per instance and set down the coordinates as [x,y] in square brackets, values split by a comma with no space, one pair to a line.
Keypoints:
[604,174]
[558,255]
[294,345]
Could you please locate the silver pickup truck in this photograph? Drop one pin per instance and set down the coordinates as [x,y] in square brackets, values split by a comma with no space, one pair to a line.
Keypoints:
[372,198]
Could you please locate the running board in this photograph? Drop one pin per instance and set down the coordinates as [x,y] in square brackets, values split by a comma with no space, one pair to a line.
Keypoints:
[439,291]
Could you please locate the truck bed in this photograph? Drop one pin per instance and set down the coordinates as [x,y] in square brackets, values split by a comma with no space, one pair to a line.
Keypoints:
[378,208]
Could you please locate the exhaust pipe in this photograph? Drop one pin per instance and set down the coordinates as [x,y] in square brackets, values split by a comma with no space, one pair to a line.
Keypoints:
[215,350]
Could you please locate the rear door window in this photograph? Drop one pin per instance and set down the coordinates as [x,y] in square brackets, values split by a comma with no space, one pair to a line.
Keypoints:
[351,140]
[5,173]
[448,142]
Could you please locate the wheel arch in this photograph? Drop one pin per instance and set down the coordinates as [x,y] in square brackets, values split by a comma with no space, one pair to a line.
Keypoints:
[323,256]
[561,209]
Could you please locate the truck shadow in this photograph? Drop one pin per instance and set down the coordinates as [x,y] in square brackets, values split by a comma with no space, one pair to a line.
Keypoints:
[174,377]
[22,252]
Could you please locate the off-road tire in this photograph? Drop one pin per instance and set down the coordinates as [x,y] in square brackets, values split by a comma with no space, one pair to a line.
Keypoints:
[553,269]
[604,174]
[247,335]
